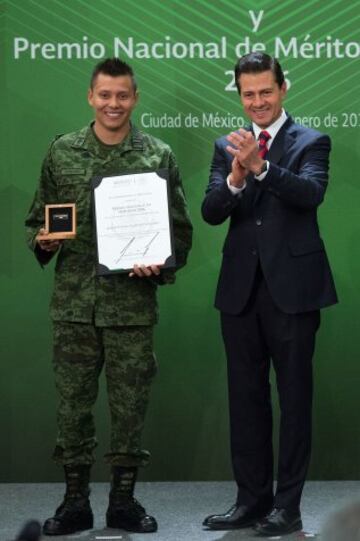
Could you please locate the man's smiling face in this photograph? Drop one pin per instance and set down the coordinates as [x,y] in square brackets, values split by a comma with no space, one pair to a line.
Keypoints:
[261,97]
[113,100]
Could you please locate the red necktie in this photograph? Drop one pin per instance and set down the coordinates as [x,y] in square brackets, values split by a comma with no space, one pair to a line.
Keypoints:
[263,138]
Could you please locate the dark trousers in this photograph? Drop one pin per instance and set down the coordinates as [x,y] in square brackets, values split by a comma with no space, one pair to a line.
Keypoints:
[259,334]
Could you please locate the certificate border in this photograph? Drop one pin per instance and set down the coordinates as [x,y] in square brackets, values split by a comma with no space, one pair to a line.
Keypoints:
[102,270]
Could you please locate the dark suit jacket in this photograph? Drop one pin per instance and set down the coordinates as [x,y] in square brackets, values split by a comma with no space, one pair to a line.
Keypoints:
[274,221]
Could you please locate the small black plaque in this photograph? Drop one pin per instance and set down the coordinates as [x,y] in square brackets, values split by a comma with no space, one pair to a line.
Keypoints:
[60,222]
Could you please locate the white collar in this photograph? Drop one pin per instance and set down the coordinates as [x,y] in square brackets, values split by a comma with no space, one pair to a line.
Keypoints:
[272,129]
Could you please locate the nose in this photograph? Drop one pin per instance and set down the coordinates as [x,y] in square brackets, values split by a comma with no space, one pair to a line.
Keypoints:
[113,102]
[258,100]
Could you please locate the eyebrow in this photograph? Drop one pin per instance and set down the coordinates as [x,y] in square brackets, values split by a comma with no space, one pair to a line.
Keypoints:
[268,88]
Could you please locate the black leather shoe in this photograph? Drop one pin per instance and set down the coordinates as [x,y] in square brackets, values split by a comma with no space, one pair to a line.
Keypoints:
[238,516]
[73,515]
[30,532]
[130,516]
[279,522]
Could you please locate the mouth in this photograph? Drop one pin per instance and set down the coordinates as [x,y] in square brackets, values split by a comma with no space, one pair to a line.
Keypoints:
[260,112]
[113,114]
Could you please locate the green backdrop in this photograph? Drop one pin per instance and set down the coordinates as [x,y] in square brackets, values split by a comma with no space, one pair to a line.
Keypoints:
[183,53]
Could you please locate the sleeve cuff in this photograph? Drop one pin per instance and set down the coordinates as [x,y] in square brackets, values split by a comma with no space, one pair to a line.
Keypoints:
[233,189]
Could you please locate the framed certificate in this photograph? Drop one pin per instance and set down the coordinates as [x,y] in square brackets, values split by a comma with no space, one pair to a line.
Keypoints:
[132,221]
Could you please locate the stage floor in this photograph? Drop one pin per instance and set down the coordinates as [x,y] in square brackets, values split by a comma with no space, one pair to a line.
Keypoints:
[179,508]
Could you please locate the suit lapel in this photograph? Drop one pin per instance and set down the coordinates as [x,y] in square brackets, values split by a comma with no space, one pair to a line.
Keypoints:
[282,143]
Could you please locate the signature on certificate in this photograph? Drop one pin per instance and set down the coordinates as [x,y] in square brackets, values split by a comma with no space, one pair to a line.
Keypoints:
[138,247]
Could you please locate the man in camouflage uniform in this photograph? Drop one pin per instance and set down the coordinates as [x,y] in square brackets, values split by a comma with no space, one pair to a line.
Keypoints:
[103,320]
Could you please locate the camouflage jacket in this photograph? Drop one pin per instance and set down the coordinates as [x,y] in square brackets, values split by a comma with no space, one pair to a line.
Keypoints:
[79,294]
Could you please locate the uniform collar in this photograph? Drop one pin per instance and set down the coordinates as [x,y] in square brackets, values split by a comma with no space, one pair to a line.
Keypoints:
[87,140]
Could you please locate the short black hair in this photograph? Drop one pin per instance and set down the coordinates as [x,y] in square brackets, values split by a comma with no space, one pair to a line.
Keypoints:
[115,68]
[257,63]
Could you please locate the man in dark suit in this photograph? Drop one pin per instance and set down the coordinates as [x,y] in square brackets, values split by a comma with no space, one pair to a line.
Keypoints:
[275,276]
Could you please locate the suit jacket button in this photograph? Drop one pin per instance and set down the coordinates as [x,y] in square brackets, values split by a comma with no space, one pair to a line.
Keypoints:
[254,252]
[258,221]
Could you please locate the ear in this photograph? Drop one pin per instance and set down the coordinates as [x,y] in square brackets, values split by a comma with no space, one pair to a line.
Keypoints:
[137,97]
[283,89]
[90,97]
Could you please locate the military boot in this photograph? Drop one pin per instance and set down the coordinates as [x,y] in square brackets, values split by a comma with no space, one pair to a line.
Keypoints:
[124,512]
[74,514]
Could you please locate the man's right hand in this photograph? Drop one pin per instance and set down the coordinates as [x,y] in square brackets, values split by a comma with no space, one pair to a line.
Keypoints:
[48,245]
[238,174]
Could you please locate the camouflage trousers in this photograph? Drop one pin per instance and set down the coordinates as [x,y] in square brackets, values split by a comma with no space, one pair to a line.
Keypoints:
[80,353]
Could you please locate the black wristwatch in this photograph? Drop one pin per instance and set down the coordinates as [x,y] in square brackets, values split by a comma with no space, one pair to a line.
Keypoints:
[264,168]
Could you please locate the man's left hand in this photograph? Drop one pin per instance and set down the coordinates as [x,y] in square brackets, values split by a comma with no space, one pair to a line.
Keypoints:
[246,150]
[142,271]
